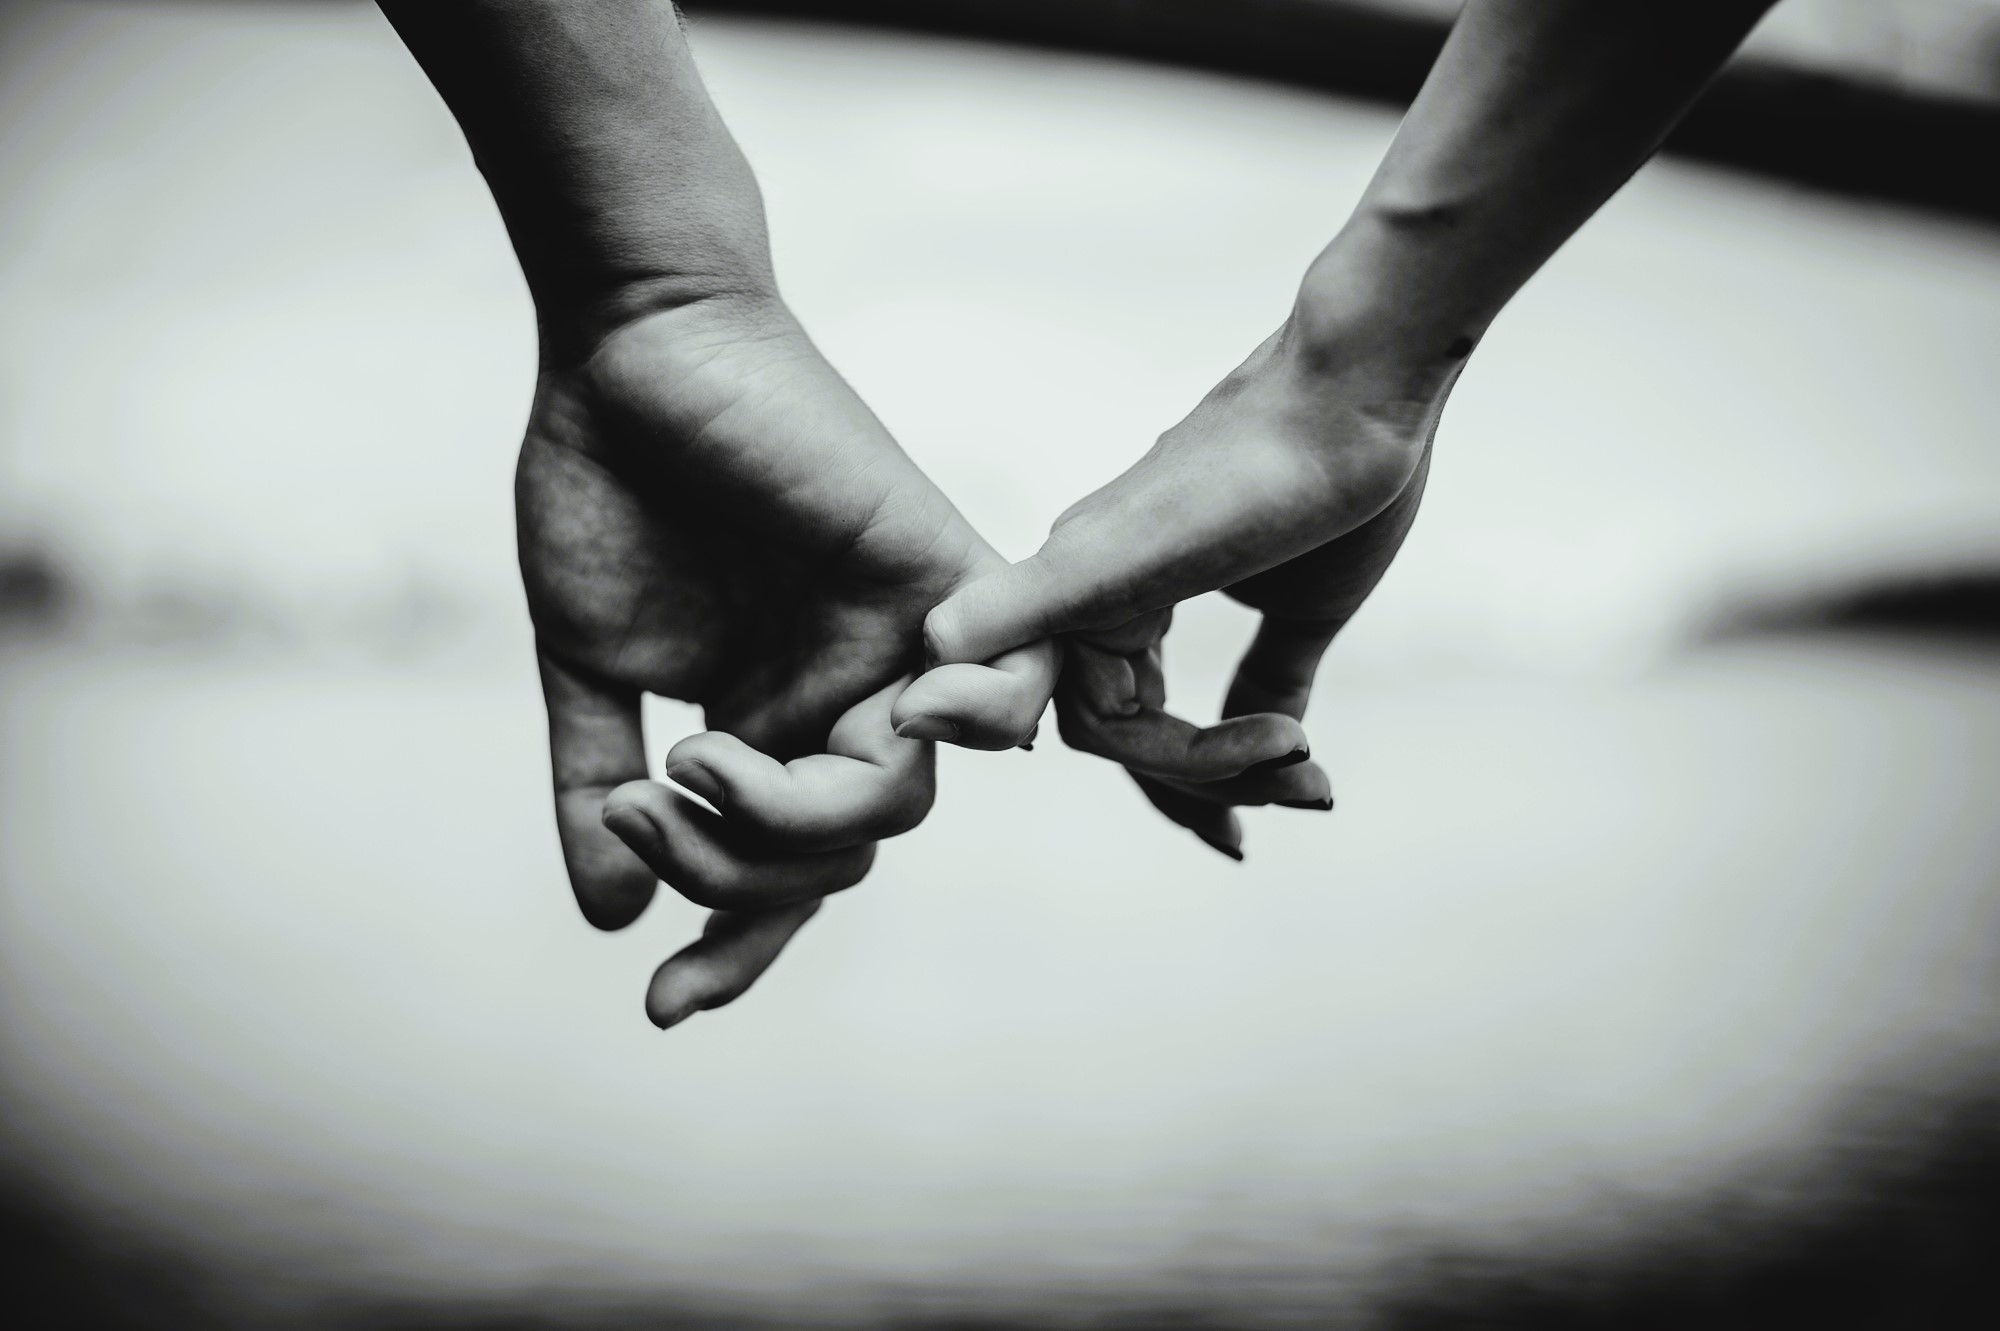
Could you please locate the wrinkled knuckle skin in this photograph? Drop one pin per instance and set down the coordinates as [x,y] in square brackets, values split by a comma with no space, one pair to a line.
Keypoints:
[714,888]
[941,633]
[778,825]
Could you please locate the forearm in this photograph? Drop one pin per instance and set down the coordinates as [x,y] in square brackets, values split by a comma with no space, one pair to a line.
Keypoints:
[621,188]
[1535,113]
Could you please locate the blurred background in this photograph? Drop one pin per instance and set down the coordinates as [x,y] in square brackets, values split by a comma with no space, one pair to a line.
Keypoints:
[1646,973]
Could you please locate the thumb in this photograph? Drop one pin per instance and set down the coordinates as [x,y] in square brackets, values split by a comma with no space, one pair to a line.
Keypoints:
[1152,538]
[1051,591]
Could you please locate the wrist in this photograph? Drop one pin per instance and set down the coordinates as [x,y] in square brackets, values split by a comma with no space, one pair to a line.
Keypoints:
[1384,303]
[574,320]
[594,270]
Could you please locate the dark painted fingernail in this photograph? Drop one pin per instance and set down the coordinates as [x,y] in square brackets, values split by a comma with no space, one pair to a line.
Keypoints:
[1233,852]
[1026,746]
[1324,804]
[928,727]
[1292,759]
[698,779]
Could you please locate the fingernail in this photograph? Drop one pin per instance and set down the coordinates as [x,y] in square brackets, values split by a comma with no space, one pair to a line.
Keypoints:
[697,778]
[1026,746]
[638,824]
[928,727]
[1292,759]
[1324,804]
[1233,852]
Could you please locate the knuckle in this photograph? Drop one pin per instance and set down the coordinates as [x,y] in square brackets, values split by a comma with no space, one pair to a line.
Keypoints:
[713,885]
[944,631]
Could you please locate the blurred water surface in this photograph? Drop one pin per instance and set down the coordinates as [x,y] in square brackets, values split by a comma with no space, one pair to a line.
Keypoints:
[1606,922]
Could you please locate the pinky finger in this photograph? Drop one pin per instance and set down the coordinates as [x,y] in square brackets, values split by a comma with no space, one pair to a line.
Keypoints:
[735,948]
[991,706]
[1216,824]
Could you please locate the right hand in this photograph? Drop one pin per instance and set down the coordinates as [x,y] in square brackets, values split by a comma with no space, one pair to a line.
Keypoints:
[1291,486]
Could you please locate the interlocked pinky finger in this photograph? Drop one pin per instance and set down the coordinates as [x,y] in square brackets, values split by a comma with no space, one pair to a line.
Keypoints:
[1216,824]
[687,847]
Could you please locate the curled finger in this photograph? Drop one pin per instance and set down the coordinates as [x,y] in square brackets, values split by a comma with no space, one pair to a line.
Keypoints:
[690,849]
[994,705]
[870,784]
[1154,742]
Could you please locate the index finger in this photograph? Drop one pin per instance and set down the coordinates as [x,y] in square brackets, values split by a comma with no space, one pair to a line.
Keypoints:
[595,746]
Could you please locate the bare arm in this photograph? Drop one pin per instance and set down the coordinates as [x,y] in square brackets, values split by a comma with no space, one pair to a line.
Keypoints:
[1534,115]
[621,188]
[1294,482]
[706,511]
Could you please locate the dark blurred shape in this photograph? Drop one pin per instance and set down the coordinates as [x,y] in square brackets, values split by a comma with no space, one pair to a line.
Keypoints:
[1895,1224]
[1910,1237]
[562,1316]
[36,591]
[1833,132]
[1961,605]
[64,1273]
[1902,1229]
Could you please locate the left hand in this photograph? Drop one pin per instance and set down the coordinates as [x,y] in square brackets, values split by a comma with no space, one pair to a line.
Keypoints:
[1291,486]
[708,512]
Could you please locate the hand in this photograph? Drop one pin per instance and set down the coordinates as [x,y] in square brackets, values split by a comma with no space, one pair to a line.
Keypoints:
[708,512]
[1291,485]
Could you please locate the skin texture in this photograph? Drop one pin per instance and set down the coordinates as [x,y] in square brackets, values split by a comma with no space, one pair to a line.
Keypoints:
[1307,529]
[706,510]
[1295,480]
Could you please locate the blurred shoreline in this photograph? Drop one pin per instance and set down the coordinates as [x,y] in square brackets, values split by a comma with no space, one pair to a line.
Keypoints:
[1793,107]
